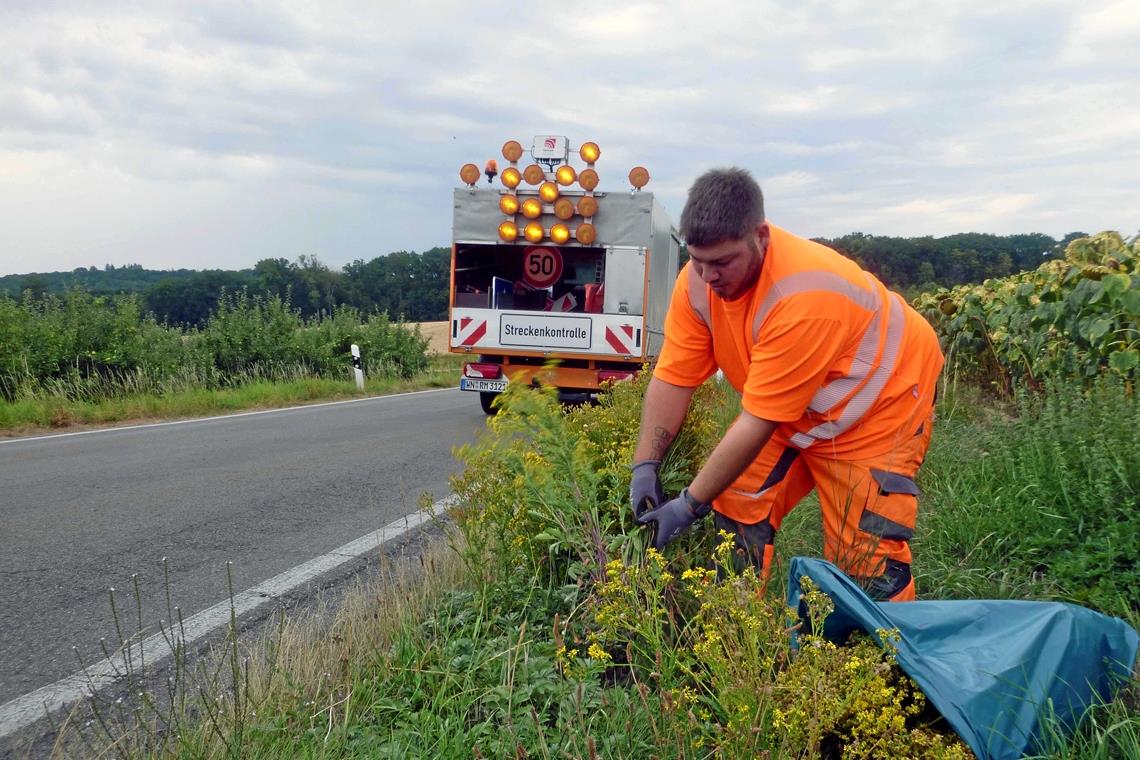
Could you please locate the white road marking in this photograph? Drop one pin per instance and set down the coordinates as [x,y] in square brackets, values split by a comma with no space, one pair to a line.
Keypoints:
[34,705]
[219,417]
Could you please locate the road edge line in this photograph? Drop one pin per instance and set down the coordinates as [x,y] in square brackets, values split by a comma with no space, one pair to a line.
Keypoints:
[25,710]
[215,417]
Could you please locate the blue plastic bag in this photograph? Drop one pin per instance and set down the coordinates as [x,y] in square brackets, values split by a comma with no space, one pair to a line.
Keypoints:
[994,669]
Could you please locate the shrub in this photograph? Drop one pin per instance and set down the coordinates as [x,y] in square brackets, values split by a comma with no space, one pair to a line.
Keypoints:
[85,347]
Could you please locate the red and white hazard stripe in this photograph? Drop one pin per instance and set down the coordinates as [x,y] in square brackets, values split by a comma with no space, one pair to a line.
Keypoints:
[621,340]
[471,330]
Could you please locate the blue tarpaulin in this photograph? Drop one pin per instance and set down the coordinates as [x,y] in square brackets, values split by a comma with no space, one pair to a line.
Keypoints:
[995,669]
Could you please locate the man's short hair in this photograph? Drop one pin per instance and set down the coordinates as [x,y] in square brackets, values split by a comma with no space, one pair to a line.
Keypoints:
[723,204]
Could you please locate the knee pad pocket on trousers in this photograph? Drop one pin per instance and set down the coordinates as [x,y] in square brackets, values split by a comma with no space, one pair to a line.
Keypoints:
[891,514]
[896,578]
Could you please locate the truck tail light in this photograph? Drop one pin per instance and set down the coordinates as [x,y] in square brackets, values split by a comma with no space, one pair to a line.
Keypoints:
[534,232]
[481,370]
[613,375]
[508,232]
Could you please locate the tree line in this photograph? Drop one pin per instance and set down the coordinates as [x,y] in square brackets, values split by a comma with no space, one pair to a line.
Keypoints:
[414,286]
[927,263]
[404,284]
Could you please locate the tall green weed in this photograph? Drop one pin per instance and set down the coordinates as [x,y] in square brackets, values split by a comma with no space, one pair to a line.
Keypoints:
[1042,503]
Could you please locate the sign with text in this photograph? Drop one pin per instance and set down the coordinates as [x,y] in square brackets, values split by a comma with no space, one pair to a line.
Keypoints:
[544,331]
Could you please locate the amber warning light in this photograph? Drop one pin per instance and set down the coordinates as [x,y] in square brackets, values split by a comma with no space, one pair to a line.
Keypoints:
[550,174]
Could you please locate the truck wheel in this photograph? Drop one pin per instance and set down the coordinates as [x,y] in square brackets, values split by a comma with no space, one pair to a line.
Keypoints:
[485,399]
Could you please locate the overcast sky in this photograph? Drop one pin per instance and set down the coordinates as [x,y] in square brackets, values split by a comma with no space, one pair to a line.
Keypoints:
[207,134]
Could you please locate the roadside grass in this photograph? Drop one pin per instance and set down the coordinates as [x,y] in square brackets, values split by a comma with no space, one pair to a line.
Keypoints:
[546,630]
[1036,498]
[133,399]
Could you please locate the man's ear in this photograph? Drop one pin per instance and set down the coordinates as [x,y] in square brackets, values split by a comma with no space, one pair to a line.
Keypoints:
[763,235]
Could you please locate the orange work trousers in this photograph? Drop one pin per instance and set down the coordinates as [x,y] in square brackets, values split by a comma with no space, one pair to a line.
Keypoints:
[869,506]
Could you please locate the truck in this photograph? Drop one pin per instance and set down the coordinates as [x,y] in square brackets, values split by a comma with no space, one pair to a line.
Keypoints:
[553,281]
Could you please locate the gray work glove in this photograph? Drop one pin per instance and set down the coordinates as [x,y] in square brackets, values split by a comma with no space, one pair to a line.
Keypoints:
[645,487]
[673,518]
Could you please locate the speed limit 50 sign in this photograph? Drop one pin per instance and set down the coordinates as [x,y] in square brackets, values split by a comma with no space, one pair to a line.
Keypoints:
[542,267]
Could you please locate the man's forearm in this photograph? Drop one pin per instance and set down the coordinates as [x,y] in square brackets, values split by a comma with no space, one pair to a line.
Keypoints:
[662,414]
[739,447]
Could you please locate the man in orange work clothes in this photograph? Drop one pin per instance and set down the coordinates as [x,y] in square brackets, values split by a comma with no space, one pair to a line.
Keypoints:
[837,378]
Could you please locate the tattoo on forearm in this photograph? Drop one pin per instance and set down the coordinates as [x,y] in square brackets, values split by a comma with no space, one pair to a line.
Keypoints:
[661,440]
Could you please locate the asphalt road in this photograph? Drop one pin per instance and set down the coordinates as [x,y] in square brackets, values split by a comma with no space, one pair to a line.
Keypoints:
[80,514]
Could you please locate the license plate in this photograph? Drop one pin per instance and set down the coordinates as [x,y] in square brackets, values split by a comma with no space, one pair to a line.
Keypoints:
[471,384]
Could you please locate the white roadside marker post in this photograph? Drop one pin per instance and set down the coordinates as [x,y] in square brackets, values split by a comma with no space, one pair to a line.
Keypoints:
[357,368]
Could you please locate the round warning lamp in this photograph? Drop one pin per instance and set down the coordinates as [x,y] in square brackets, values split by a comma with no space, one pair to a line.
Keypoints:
[533,174]
[590,152]
[532,208]
[511,177]
[563,208]
[548,191]
[639,177]
[586,233]
[588,179]
[560,233]
[534,232]
[509,204]
[565,175]
[508,231]
[469,173]
[512,150]
[588,206]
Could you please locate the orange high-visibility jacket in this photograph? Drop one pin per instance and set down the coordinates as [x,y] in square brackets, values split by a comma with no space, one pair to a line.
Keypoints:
[817,344]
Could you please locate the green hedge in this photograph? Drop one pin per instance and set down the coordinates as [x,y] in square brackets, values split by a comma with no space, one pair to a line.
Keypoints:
[84,346]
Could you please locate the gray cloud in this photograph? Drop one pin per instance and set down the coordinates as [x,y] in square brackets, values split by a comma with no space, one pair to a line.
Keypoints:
[216,134]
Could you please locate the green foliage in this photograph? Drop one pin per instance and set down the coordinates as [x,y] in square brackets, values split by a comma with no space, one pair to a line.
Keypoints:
[547,489]
[1041,503]
[245,331]
[82,346]
[109,280]
[190,299]
[409,285]
[921,263]
[1072,318]
[78,338]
